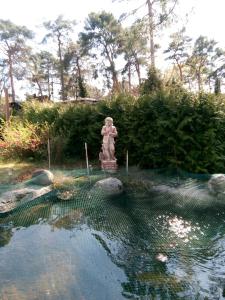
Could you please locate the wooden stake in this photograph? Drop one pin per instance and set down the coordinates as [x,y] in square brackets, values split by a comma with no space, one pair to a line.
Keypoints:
[127,162]
[86,153]
[49,155]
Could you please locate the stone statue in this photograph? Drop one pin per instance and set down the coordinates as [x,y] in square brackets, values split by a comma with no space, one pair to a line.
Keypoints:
[107,155]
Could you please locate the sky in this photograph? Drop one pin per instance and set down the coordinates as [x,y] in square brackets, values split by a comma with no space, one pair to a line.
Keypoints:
[205,17]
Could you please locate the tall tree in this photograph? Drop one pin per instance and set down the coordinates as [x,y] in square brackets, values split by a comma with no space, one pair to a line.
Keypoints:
[134,48]
[59,31]
[218,71]
[159,13]
[74,66]
[42,70]
[202,60]
[103,32]
[178,51]
[13,46]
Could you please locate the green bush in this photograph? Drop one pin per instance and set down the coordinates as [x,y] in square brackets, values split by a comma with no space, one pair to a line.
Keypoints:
[38,113]
[179,130]
[20,139]
[170,128]
[153,83]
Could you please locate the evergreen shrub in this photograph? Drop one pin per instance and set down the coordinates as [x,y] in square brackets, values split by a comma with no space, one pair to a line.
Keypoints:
[165,128]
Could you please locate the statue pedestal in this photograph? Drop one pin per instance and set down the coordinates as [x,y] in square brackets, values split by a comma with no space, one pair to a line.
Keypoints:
[109,165]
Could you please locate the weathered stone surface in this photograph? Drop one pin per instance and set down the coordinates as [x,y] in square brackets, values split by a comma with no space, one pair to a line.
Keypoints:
[110,185]
[216,184]
[12,199]
[107,154]
[42,177]
[109,166]
[182,193]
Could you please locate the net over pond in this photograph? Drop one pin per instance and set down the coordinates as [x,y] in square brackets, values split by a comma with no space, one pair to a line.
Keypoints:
[163,238]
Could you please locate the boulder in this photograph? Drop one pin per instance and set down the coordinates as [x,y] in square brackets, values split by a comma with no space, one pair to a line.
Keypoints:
[110,185]
[216,184]
[42,177]
[13,199]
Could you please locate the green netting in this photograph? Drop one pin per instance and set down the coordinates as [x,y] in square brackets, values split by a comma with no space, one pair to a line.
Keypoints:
[162,238]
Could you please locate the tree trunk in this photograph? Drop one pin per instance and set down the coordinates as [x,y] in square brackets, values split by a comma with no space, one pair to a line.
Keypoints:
[78,67]
[209,83]
[11,78]
[129,76]
[180,72]
[61,69]
[40,89]
[151,32]
[49,85]
[137,67]
[199,79]
[116,86]
[7,110]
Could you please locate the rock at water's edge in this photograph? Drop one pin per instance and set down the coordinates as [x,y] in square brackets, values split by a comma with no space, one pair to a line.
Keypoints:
[216,183]
[13,199]
[111,185]
[42,177]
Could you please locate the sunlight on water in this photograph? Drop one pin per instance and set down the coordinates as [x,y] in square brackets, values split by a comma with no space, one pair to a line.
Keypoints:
[140,245]
[181,228]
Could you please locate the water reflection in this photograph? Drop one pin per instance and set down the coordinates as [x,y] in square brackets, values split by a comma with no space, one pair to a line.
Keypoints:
[120,248]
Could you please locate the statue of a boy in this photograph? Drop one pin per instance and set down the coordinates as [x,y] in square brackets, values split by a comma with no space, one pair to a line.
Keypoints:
[107,156]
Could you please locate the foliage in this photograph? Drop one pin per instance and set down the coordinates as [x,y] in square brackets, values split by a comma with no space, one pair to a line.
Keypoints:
[178,50]
[82,88]
[39,113]
[167,128]
[102,43]
[59,31]
[102,32]
[14,49]
[134,45]
[202,60]
[159,14]
[184,131]
[20,139]
[40,68]
[153,83]
[217,87]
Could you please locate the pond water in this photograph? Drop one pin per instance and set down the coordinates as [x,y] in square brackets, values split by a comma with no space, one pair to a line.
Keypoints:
[139,245]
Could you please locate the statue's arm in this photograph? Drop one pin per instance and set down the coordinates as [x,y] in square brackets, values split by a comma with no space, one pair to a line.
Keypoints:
[114,133]
[103,132]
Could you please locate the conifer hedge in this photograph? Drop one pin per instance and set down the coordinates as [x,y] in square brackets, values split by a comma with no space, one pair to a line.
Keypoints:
[172,128]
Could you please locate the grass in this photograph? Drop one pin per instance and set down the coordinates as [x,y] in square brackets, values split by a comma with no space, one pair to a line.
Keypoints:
[15,171]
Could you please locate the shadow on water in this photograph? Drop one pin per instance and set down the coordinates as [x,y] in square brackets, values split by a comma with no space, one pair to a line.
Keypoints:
[143,244]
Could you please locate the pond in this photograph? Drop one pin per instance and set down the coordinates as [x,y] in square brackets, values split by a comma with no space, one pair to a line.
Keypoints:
[139,245]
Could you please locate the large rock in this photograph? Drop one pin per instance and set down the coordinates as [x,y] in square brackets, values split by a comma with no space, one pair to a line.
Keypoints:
[110,185]
[42,177]
[12,199]
[216,184]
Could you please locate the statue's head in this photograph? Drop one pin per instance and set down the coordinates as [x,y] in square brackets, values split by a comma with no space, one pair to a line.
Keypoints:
[109,121]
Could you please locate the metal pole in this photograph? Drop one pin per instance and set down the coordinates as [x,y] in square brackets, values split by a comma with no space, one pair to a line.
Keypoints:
[87,159]
[127,162]
[49,155]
